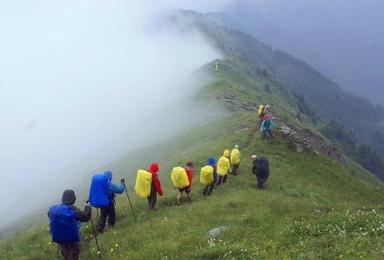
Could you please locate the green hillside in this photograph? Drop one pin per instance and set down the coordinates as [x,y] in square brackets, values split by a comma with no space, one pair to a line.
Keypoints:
[324,99]
[313,207]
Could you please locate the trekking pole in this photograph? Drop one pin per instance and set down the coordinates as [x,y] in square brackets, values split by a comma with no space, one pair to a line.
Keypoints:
[97,242]
[130,203]
[94,234]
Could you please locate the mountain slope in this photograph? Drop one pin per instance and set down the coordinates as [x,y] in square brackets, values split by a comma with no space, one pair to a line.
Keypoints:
[325,100]
[313,207]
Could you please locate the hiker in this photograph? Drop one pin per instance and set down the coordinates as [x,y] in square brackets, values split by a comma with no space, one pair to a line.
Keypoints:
[155,186]
[261,112]
[182,180]
[223,166]
[266,127]
[189,170]
[235,160]
[207,176]
[260,167]
[64,224]
[102,195]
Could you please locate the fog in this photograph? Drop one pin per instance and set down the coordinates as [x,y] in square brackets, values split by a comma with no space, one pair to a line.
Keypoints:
[81,84]
[343,39]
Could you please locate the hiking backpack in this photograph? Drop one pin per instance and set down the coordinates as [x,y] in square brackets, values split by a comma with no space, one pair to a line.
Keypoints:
[179,177]
[223,166]
[206,175]
[99,191]
[143,183]
[260,110]
[64,227]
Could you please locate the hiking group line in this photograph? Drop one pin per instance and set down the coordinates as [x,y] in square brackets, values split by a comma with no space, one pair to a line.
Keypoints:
[65,218]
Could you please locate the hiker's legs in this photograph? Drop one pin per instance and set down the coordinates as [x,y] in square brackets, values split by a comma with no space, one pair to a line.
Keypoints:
[261,180]
[104,211]
[152,199]
[219,179]
[205,190]
[189,193]
[70,251]
[64,250]
[210,189]
[178,196]
[260,122]
[263,133]
[215,177]
[112,215]
[235,169]
[225,178]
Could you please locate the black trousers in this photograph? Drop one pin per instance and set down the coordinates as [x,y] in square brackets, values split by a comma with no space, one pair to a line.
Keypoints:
[152,199]
[208,189]
[235,168]
[106,212]
[70,251]
[222,179]
[261,180]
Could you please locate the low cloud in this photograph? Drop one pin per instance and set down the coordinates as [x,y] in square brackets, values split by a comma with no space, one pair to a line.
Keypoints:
[76,76]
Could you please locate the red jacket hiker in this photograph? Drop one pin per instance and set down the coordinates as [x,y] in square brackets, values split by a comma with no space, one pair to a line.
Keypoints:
[154,168]
[189,171]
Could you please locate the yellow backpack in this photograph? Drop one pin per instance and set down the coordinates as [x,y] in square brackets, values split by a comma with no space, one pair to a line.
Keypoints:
[235,157]
[223,166]
[179,177]
[206,175]
[143,183]
[260,110]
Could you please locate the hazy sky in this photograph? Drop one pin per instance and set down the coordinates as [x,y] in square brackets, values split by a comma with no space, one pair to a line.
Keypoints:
[343,39]
[76,79]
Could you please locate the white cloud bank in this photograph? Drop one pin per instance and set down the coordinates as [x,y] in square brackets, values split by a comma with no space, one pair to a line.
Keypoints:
[74,77]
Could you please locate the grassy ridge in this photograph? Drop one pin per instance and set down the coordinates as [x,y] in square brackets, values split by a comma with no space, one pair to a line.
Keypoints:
[313,207]
[309,203]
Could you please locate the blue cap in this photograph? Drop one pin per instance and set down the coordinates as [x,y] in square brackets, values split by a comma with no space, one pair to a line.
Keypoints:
[211,161]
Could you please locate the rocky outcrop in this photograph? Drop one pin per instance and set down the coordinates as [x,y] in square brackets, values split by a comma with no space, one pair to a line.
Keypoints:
[305,140]
[235,104]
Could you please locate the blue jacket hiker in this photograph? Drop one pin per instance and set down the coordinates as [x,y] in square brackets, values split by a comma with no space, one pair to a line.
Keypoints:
[102,194]
[64,223]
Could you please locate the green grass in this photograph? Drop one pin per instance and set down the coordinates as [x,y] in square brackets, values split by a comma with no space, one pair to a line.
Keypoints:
[312,208]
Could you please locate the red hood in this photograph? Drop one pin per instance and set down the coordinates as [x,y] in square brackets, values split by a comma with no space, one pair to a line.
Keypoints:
[154,167]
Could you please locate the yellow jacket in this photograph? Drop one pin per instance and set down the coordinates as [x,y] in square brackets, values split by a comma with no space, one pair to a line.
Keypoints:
[235,156]
[223,166]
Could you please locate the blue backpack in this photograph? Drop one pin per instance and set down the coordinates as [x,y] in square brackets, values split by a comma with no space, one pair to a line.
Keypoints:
[99,191]
[63,225]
